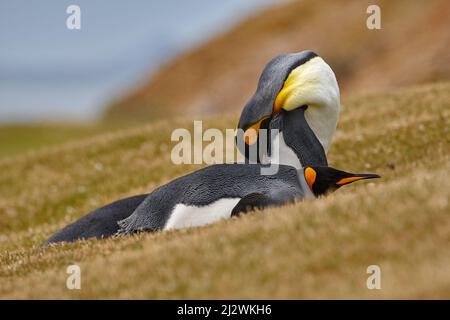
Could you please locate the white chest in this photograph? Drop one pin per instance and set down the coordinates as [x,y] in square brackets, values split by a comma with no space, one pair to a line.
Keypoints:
[184,216]
[282,154]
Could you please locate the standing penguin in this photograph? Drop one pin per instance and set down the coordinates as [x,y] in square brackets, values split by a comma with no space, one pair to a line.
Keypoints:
[291,81]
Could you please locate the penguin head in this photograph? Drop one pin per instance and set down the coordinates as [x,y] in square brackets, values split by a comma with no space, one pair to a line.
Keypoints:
[324,180]
[288,82]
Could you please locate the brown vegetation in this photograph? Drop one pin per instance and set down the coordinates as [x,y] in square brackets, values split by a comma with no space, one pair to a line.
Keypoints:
[413,47]
[314,249]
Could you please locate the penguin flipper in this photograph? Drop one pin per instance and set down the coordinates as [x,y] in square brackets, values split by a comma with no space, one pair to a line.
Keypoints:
[100,223]
[256,200]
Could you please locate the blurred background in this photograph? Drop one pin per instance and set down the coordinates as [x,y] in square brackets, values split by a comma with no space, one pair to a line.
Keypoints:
[145,60]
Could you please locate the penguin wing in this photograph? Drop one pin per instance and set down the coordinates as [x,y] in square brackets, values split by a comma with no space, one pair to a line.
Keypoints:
[100,223]
[299,136]
[258,200]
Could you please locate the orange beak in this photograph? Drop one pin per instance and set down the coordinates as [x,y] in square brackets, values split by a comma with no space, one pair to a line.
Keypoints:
[357,177]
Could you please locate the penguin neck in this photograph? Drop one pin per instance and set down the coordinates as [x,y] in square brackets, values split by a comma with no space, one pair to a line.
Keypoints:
[308,194]
[282,153]
[300,146]
[314,85]
[322,120]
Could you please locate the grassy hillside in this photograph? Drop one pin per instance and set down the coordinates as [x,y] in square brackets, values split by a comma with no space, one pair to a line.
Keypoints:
[20,138]
[219,76]
[308,250]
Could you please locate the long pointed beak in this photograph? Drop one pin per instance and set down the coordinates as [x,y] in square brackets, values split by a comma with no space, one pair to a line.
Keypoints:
[357,177]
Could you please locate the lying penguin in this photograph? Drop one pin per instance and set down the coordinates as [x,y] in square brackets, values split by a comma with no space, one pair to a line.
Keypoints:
[219,191]
[222,191]
[207,196]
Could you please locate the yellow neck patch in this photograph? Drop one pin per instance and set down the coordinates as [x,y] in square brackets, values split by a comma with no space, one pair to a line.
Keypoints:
[291,96]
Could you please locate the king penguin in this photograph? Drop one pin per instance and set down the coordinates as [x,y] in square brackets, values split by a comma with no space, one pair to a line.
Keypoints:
[207,196]
[221,191]
[288,82]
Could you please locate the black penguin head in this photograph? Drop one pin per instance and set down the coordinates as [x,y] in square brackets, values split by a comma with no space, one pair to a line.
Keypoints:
[323,180]
[261,107]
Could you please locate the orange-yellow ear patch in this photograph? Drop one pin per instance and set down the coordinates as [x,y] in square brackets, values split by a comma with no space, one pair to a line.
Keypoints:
[348,180]
[279,101]
[251,133]
[250,136]
[288,87]
[310,176]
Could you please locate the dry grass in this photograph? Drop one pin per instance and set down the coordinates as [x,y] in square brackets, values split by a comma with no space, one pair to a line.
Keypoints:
[317,249]
[21,138]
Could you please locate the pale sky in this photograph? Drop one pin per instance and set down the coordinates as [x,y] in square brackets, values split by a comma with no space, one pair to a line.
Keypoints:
[48,72]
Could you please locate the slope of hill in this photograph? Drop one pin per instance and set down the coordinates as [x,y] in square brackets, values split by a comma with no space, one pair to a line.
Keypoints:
[311,249]
[411,48]
[22,138]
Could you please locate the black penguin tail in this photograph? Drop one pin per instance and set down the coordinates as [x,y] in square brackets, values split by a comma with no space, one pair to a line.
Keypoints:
[100,223]
[124,226]
[132,224]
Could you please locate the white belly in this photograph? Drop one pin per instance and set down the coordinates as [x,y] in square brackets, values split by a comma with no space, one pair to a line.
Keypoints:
[184,216]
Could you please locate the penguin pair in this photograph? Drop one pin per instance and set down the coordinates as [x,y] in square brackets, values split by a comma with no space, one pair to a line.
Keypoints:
[298,96]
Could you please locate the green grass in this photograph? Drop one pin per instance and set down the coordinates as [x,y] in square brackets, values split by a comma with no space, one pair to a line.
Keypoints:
[21,138]
[316,249]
